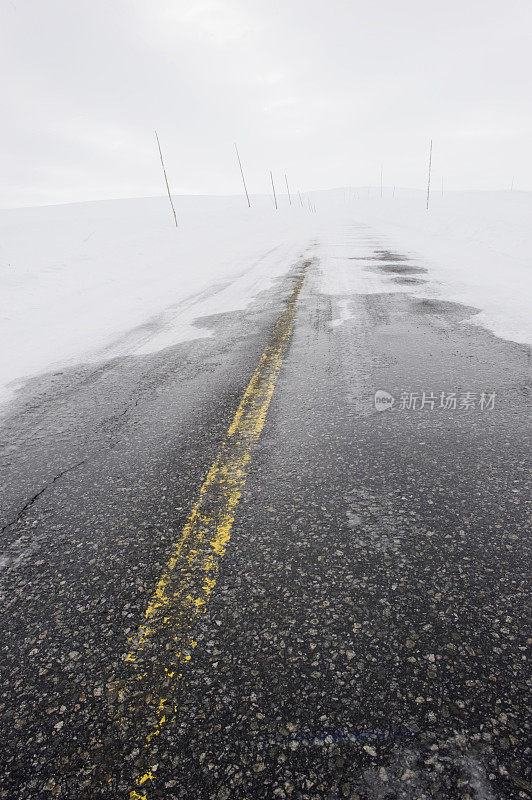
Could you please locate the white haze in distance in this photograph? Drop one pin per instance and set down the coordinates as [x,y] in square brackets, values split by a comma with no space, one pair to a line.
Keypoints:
[325,91]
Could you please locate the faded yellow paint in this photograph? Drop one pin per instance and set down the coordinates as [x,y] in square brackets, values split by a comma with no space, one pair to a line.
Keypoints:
[185,587]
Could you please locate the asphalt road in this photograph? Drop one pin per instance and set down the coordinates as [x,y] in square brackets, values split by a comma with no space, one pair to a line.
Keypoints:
[363,631]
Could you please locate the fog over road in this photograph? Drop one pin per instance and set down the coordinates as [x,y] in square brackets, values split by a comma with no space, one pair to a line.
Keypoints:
[220,589]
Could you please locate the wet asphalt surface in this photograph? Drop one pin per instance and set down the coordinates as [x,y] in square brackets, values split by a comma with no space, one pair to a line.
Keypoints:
[367,637]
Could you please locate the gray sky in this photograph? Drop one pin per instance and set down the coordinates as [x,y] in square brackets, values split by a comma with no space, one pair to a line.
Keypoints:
[326,91]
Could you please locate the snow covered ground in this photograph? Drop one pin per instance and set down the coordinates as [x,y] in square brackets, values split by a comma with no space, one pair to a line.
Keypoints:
[91,280]
[477,247]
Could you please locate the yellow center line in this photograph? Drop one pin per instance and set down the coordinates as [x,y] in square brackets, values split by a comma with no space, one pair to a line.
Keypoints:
[163,642]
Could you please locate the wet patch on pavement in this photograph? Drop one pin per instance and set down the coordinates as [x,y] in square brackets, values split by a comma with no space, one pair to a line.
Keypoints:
[380,255]
[397,269]
[408,281]
[442,308]
[396,264]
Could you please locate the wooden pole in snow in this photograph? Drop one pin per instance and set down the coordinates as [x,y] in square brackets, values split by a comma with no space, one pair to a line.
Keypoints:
[428,182]
[288,190]
[273,187]
[165,178]
[242,173]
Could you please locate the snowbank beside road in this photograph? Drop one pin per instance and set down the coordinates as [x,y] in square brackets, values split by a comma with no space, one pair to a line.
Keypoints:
[92,280]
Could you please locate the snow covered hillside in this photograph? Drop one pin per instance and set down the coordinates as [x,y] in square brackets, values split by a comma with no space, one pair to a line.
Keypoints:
[86,281]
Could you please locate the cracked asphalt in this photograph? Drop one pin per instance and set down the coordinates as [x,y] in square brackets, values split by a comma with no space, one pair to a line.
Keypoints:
[367,635]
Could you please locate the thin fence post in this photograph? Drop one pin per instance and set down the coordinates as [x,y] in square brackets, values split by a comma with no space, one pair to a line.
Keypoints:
[242,173]
[273,187]
[428,182]
[288,190]
[165,178]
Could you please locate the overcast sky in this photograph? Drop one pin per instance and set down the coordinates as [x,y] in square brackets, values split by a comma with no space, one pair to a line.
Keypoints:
[325,90]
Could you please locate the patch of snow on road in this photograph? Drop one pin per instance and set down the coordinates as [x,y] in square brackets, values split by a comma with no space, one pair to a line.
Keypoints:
[344,313]
[476,247]
[89,281]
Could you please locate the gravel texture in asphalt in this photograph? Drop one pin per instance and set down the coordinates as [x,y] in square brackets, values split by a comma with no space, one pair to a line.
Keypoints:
[367,633]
